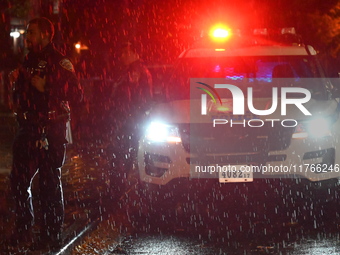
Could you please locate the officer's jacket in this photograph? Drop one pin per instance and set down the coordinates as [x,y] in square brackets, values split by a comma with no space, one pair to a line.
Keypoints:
[62,86]
[133,88]
[47,112]
[132,97]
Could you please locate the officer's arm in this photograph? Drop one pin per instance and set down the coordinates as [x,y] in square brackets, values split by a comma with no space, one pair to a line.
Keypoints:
[17,90]
[73,90]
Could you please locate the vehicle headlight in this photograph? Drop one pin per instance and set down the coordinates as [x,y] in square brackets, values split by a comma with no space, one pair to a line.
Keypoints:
[315,128]
[161,132]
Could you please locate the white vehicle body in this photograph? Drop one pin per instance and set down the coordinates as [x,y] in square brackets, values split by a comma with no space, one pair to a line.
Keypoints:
[288,151]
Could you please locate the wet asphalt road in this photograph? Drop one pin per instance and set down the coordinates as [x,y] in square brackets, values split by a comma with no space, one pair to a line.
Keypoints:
[220,220]
[199,218]
[84,186]
[176,244]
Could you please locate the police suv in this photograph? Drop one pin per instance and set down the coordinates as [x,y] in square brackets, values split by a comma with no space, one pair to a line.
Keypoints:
[244,106]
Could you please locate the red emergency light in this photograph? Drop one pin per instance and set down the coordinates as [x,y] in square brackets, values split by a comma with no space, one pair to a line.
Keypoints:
[220,33]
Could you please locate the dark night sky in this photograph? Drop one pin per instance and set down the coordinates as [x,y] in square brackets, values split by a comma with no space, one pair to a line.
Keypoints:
[164,28]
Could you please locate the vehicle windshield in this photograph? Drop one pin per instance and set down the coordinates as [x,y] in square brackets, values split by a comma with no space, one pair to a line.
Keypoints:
[260,72]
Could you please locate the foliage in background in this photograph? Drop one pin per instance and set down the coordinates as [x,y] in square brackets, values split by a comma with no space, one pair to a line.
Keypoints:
[19,8]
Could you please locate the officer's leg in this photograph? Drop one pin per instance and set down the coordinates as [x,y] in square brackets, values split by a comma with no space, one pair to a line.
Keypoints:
[116,175]
[51,194]
[23,170]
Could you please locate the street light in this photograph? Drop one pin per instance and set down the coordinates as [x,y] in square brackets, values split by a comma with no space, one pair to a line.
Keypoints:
[15,34]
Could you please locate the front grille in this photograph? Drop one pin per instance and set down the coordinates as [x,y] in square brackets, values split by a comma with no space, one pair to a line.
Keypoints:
[203,138]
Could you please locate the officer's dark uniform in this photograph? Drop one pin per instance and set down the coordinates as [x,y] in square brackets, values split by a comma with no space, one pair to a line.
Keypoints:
[132,97]
[42,115]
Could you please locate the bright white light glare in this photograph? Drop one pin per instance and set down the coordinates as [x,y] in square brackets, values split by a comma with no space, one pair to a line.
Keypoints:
[220,33]
[160,132]
[14,34]
[319,127]
[174,139]
[77,46]
[316,128]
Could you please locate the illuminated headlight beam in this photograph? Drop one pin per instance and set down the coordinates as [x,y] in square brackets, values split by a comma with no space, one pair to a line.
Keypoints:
[315,128]
[160,132]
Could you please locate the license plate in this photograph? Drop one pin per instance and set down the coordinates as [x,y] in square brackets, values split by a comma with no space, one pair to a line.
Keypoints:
[236,173]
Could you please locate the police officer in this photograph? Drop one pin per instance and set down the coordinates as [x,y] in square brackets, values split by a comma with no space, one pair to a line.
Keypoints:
[133,91]
[45,85]
[132,96]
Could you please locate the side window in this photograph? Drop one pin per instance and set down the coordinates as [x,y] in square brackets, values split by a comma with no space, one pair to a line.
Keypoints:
[266,70]
[305,67]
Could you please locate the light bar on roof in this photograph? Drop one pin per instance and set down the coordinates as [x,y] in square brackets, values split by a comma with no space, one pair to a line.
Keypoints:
[288,30]
[260,31]
[264,31]
[220,33]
